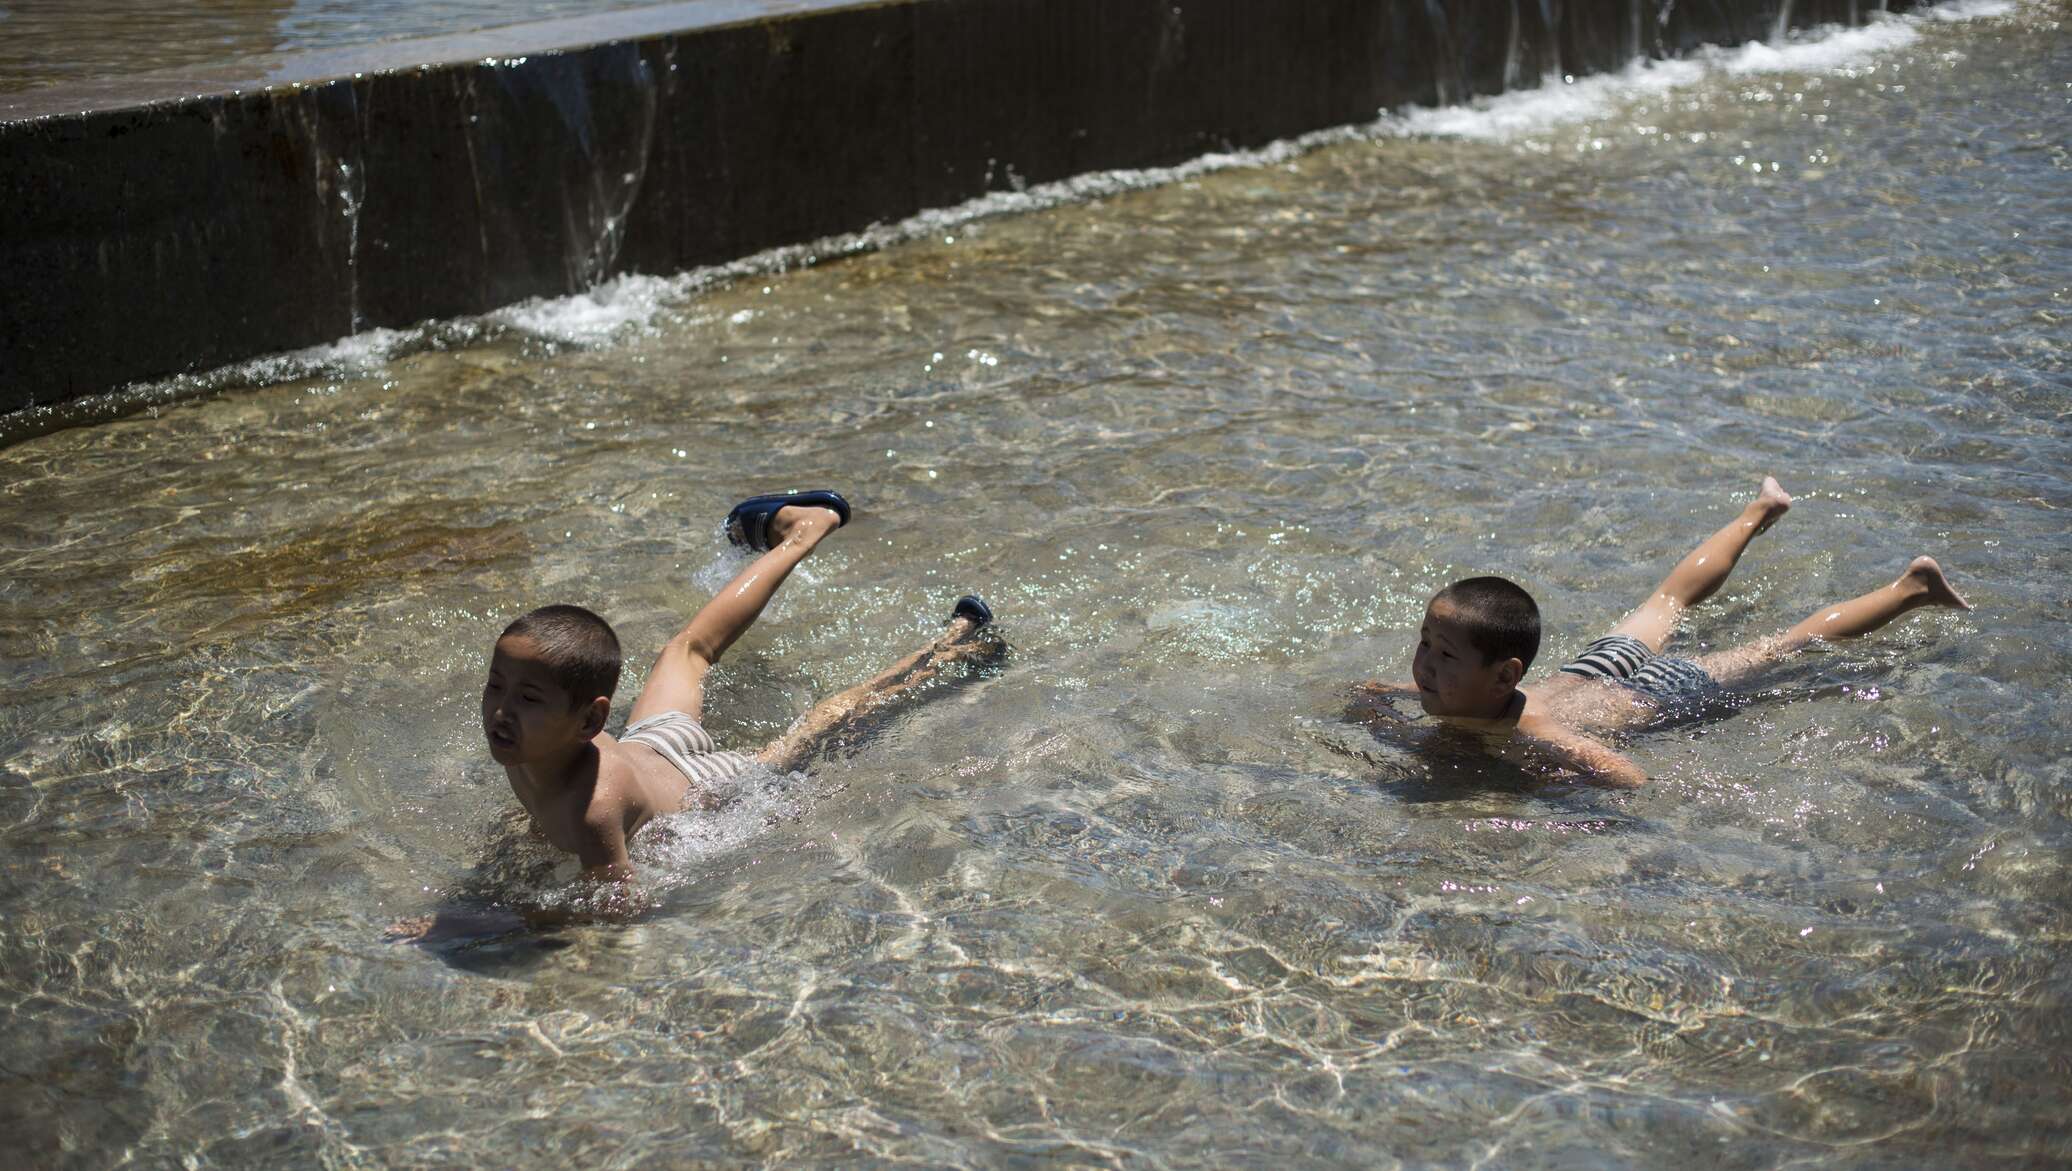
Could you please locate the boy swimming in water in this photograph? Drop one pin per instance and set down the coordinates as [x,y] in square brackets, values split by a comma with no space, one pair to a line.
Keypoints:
[1480,635]
[553,671]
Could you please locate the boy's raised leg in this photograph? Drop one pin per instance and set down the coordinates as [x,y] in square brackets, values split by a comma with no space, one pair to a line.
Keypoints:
[677,682]
[1923,584]
[958,643]
[1704,569]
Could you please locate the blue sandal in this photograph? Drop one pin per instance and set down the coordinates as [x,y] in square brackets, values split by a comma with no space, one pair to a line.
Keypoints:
[973,607]
[749,524]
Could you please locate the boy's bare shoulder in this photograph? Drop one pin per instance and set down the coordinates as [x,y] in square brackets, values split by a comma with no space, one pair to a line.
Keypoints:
[636,783]
[609,813]
[623,789]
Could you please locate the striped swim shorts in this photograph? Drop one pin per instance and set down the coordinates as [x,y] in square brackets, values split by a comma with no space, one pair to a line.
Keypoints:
[685,743]
[1627,661]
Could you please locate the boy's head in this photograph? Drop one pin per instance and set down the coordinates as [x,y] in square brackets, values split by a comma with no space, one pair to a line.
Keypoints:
[550,684]
[1478,638]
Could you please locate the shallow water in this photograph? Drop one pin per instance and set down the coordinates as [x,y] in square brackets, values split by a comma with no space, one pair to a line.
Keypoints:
[1142,895]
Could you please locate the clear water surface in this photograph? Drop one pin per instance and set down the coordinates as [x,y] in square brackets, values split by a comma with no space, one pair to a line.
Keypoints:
[53,42]
[1140,896]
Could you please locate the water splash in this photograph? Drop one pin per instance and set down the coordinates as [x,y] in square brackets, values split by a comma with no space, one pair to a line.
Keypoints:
[672,848]
[1558,102]
[599,203]
[608,310]
[340,173]
[352,191]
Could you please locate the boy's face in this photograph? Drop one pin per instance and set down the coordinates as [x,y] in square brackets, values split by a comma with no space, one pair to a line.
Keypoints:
[1452,679]
[527,716]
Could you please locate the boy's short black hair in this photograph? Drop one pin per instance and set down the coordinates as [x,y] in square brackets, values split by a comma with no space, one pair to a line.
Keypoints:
[1502,619]
[579,649]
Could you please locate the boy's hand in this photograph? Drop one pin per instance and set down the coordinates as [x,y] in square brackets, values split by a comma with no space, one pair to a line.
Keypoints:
[1370,701]
[472,925]
[410,930]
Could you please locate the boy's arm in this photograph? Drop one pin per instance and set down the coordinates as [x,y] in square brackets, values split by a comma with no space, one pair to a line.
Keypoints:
[1567,748]
[735,608]
[601,848]
[1369,705]
[471,926]
[678,680]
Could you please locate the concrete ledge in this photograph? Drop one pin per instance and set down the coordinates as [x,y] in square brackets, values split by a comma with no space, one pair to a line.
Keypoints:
[183,222]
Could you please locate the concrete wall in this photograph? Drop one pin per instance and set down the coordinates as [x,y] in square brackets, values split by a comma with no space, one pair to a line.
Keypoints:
[147,229]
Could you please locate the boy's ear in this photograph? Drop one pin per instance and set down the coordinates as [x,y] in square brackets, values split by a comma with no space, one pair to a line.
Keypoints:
[594,715]
[1510,671]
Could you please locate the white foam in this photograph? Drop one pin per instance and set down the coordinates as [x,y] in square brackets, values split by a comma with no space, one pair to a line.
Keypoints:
[1968,10]
[622,305]
[1525,112]
[1820,54]
[362,353]
[1558,102]
[675,845]
[727,561]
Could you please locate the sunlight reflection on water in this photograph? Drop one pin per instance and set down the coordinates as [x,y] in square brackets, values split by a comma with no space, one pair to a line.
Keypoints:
[1140,894]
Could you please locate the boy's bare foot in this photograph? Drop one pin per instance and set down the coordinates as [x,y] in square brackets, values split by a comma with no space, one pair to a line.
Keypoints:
[961,643]
[792,518]
[1770,502]
[1925,576]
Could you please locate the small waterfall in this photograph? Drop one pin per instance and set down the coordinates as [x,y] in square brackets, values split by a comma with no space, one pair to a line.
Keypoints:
[1514,49]
[1172,39]
[352,193]
[618,164]
[419,192]
[1550,28]
[1446,63]
[326,115]
[559,148]
[469,103]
